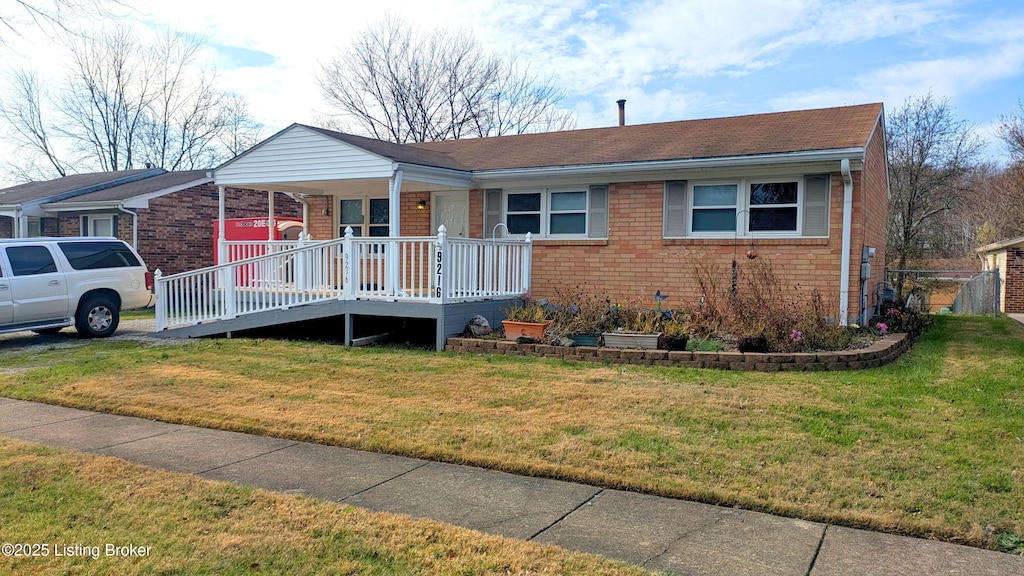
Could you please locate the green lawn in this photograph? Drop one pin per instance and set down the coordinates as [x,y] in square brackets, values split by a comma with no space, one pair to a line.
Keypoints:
[930,445]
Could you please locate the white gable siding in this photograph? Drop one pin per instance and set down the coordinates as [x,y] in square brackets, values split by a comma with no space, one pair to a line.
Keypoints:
[302,155]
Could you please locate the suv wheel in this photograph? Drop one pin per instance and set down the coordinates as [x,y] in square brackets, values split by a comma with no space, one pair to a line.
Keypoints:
[97,317]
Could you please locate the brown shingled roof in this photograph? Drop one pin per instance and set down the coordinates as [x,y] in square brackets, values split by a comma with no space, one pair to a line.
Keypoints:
[398,152]
[775,133]
[37,190]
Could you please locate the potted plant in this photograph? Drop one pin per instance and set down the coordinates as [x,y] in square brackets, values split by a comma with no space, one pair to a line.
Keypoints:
[584,321]
[635,328]
[529,319]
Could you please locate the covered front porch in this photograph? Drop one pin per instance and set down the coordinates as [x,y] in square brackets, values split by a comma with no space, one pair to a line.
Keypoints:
[358,197]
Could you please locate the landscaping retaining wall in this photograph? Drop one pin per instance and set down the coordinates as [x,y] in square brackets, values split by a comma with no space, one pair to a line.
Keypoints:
[882,352]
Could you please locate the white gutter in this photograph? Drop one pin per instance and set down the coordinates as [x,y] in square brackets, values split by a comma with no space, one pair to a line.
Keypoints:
[844,274]
[484,176]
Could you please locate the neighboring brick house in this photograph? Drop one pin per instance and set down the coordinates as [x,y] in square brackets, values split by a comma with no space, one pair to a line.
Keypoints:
[621,209]
[1007,257]
[167,216]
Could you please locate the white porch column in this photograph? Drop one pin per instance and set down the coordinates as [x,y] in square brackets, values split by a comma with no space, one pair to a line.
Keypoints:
[270,215]
[394,204]
[221,252]
[391,279]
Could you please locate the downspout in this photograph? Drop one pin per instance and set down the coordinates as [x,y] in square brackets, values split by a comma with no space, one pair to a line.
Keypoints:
[844,274]
[135,225]
[305,211]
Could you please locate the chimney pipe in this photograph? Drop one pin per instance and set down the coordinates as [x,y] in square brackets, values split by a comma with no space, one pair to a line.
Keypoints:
[622,111]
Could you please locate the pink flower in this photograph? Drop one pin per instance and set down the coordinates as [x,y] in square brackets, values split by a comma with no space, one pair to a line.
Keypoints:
[883,328]
[796,335]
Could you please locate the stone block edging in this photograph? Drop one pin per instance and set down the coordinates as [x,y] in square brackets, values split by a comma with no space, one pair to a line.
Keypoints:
[882,352]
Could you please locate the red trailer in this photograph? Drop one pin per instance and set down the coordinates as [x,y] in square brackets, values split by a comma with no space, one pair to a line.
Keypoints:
[255,229]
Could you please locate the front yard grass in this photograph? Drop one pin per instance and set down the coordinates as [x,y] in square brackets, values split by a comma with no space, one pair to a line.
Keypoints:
[928,446]
[72,506]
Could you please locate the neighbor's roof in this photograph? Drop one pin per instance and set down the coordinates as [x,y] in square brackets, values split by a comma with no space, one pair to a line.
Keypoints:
[167,181]
[995,246]
[738,136]
[71,184]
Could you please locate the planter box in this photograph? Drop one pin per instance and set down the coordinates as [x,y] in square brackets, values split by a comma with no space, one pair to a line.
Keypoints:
[585,339]
[629,340]
[515,330]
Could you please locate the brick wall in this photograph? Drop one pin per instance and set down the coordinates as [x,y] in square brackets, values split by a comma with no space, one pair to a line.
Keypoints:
[1014,281]
[635,261]
[875,198]
[48,227]
[415,222]
[176,231]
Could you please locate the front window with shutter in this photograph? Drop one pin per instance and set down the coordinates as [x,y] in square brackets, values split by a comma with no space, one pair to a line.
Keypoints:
[747,208]
[550,213]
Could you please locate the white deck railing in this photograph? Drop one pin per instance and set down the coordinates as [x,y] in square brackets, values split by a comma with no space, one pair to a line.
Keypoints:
[264,276]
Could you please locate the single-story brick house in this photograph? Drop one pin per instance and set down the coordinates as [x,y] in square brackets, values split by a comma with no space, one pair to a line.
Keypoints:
[1007,256]
[167,216]
[620,208]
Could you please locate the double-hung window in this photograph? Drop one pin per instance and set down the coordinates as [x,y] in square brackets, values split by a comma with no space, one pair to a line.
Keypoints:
[551,213]
[747,207]
[714,208]
[773,206]
[366,216]
[524,213]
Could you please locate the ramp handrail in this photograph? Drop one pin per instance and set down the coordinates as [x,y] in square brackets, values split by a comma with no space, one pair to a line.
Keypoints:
[435,269]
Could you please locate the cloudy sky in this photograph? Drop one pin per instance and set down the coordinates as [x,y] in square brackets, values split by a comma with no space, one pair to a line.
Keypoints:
[671,59]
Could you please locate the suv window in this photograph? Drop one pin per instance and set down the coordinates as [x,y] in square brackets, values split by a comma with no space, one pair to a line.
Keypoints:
[29,260]
[93,255]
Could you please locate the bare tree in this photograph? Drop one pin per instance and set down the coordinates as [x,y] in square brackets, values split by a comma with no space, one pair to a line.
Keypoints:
[125,103]
[27,128]
[992,210]
[240,132]
[48,15]
[1011,130]
[186,114]
[108,94]
[398,84]
[931,156]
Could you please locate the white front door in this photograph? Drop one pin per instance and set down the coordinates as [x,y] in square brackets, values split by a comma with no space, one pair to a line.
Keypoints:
[452,210]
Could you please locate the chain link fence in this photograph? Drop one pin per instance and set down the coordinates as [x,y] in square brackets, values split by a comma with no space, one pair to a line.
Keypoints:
[957,291]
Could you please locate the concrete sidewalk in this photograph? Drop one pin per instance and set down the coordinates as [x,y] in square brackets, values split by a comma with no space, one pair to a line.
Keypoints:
[673,536]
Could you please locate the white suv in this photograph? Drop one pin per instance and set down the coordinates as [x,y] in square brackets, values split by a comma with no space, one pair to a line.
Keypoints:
[50,283]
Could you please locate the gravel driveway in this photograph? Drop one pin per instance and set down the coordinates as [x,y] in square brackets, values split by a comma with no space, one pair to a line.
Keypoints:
[27,342]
